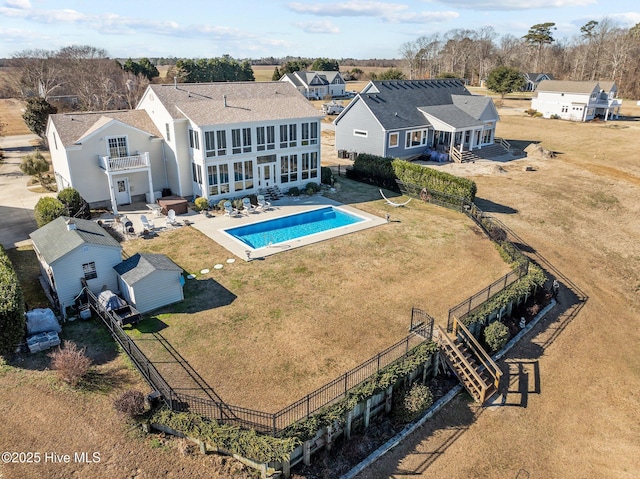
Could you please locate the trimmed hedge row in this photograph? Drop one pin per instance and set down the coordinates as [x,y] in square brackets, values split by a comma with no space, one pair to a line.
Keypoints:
[387,376]
[535,278]
[12,322]
[375,170]
[244,442]
[434,180]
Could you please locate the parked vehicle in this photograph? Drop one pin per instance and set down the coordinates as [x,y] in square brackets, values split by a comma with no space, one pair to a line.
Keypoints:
[332,108]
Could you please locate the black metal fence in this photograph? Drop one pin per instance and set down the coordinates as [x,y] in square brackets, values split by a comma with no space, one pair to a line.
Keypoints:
[212,407]
[493,228]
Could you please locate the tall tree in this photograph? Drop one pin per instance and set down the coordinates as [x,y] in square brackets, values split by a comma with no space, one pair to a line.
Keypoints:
[504,80]
[538,36]
[325,65]
[36,114]
[276,74]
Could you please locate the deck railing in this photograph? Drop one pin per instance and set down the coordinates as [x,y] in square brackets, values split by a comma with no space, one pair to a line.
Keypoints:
[125,163]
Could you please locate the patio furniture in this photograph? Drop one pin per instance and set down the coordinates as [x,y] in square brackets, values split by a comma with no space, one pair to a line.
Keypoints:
[229,210]
[263,204]
[247,207]
[146,224]
[171,219]
[155,208]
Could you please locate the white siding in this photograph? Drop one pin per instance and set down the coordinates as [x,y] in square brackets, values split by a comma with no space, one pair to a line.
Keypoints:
[67,271]
[158,289]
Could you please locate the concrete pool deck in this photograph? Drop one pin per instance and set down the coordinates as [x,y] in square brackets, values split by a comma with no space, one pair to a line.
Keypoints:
[213,227]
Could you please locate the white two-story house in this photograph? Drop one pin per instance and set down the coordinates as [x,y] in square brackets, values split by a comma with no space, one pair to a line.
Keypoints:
[316,85]
[215,140]
[577,100]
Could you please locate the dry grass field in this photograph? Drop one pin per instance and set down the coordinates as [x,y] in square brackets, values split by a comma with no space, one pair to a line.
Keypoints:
[573,383]
[265,333]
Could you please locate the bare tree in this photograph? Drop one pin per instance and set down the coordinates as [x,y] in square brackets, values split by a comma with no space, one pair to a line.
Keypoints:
[39,73]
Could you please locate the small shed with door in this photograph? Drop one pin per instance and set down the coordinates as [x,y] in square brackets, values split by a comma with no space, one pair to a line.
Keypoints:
[149,281]
[70,249]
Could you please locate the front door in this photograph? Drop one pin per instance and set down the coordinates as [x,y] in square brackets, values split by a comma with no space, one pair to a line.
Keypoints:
[266,175]
[123,197]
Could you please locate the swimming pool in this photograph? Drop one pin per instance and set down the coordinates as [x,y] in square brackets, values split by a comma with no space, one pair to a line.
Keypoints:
[287,228]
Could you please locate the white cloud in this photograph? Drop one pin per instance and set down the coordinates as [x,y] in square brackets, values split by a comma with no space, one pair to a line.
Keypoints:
[388,12]
[318,27]
[353,8]
[515,4]
[19,4]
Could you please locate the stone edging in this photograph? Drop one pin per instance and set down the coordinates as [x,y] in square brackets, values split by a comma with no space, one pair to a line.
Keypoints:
[409,428]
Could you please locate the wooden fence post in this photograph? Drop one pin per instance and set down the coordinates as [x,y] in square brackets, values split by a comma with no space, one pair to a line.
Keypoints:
[286,469]
[367,412]
[306,453]
[329,437]
[388,396]
[347,425]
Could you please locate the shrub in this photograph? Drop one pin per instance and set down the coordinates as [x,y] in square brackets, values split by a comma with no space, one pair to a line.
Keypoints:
[496,336]
[375,170]
[12,322]
[71,363]
[47,209]
[75,204]
[34,164]
[294,191]
[326,175]
[434,180]
[415,401]
[130,403]
[201,203]
[313,187]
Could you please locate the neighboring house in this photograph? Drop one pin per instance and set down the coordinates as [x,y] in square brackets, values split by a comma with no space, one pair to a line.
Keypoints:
[150,281]
[403,118]
[215,140]
[577,100]
[69,249]
[534,79]
[317,85]
[112,158]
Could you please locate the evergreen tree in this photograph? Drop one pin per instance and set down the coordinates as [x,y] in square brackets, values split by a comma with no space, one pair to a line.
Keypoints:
[36,114]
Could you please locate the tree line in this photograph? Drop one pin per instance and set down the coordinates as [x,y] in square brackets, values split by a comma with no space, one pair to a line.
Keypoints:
[602,51]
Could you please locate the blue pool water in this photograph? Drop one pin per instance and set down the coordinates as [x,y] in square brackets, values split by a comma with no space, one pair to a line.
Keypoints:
[278,230]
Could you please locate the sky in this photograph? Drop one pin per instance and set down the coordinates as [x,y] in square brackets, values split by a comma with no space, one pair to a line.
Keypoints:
[336,29]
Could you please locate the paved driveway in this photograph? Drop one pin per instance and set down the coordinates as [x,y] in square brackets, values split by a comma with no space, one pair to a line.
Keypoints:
[16,201]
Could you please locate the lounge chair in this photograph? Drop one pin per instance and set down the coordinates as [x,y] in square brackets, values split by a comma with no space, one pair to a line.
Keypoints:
[247,207]
[171,218]
[263,204]
[229,210]
[146,224]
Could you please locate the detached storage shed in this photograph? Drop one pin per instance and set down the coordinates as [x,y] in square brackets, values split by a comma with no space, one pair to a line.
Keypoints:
[149,281]
[69,249]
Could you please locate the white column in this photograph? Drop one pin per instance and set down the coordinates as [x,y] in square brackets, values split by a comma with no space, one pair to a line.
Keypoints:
[151,195]
[112,194]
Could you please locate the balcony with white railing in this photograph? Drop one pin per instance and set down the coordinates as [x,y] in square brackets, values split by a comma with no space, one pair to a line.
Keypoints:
[133,162]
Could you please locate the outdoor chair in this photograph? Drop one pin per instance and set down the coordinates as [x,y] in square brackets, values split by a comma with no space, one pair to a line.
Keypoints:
[229,210]
[263,204]
[247,207]
[146,224]
[171,218]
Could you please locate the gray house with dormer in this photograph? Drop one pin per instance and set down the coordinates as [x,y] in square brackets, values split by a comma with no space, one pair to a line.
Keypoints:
[316,85]
[407,118]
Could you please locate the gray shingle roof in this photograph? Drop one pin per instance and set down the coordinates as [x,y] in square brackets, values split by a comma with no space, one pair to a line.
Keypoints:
[54,240]
[204,103]
[139,265]
[395,103]
[567,86]
[72,127]
[452,115]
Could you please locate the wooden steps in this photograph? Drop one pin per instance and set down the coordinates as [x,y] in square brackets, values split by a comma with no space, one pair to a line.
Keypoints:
[470,363]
